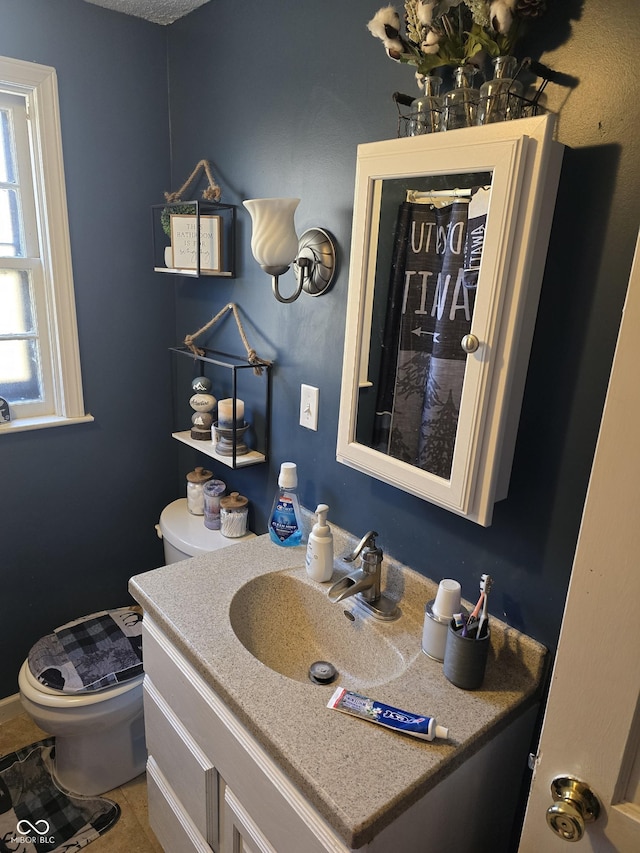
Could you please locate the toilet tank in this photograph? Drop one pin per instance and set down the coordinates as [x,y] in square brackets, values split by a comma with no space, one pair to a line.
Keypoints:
[184,535]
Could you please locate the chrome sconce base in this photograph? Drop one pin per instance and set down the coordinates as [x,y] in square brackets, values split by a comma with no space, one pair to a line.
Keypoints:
[314,267]
[317,247]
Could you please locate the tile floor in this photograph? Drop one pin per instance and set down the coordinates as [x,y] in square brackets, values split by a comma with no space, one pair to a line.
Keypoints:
[132,833]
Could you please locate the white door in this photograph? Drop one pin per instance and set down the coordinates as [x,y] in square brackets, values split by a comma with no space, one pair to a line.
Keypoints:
[592,724]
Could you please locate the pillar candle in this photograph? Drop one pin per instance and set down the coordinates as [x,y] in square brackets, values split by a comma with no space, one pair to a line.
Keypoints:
[225,413]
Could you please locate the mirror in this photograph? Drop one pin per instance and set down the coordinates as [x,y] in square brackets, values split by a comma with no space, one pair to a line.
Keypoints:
[428,258]
[449,237]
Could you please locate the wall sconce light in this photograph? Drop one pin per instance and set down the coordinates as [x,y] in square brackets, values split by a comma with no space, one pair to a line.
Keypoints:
[275,246]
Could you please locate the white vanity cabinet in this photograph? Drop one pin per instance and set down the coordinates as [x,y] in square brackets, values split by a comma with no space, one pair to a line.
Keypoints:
[212,786]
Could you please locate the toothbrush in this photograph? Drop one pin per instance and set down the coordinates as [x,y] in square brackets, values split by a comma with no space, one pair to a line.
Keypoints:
[485,588]
[474,613]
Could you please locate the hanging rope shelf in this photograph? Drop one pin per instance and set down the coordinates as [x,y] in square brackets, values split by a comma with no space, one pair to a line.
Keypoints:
[201,234]
[218,373]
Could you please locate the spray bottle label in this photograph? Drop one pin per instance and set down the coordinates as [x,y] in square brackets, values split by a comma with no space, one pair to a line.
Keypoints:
[283,522]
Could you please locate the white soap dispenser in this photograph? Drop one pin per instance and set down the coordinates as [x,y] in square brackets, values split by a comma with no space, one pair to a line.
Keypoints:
[320,548]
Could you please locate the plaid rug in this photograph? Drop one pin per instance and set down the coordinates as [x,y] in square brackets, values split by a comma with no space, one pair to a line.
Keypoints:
[36,816]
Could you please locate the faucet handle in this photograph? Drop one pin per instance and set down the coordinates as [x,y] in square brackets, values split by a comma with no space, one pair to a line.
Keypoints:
[368,541]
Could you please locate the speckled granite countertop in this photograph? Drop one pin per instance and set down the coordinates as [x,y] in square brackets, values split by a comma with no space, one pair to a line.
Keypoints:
[359,776]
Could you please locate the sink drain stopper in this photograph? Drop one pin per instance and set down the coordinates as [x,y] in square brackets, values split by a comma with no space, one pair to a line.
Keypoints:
[322,672]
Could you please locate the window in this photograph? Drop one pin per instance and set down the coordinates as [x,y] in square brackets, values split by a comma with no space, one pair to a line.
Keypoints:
[39,356]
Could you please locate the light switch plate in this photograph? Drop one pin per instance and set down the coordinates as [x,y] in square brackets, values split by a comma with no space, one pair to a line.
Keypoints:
[309,406]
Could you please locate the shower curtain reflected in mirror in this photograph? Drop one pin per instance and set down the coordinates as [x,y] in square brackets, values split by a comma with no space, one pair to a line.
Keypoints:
[434,275]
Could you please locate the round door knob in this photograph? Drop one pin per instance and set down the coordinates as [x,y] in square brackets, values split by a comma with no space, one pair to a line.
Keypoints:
[469,343]
[574,806]
[566,820]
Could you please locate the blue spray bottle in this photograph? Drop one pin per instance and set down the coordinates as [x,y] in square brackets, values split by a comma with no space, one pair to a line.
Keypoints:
[285,521]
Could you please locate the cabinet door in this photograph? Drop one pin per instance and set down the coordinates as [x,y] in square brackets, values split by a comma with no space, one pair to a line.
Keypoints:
[191,775]
[239,832]
[172,826]
[449,238]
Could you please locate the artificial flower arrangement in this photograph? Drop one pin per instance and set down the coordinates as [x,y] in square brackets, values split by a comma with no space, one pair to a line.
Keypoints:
[452,32]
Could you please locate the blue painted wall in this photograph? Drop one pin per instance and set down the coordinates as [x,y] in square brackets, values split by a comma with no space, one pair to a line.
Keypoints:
[277,96]
[79,503]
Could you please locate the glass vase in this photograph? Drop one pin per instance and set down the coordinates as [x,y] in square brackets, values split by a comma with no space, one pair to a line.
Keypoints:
[501,97]
[461,103]
[426,110]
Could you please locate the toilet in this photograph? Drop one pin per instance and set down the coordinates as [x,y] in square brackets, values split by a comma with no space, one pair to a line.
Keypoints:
[184,534]
[95,714]
[99,726]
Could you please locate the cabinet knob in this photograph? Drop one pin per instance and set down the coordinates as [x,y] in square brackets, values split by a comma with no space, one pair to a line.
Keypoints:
[469,343]
[574,805]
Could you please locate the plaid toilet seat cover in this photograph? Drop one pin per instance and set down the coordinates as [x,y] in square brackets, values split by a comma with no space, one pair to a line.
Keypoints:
[90,653]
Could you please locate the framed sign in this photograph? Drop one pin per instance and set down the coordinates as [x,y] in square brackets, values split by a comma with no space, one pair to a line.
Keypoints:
[184,242]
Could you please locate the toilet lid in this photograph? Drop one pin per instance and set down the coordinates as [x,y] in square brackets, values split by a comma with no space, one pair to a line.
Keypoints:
[39,693]
[91,653]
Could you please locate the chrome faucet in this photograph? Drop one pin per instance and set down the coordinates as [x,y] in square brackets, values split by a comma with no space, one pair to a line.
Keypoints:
[365,582]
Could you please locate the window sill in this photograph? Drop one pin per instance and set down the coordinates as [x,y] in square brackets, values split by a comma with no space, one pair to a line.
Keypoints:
[24,424]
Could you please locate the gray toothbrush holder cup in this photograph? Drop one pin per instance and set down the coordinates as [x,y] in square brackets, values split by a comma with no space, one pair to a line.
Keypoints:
[465,659]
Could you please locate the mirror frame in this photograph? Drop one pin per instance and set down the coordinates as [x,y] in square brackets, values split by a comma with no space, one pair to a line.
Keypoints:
[525,164]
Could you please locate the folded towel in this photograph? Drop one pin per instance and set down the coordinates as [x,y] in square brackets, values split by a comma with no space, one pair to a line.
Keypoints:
[91,653]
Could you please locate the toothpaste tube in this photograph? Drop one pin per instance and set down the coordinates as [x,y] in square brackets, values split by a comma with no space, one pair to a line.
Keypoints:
[425,728]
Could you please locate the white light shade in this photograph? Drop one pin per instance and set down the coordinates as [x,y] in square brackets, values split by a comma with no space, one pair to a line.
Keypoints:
[274,241]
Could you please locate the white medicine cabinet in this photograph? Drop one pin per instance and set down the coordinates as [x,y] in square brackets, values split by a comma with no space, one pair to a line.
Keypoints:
[449,240]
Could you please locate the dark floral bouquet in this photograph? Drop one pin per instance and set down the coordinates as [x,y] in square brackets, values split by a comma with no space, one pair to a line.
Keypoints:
[452,32]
